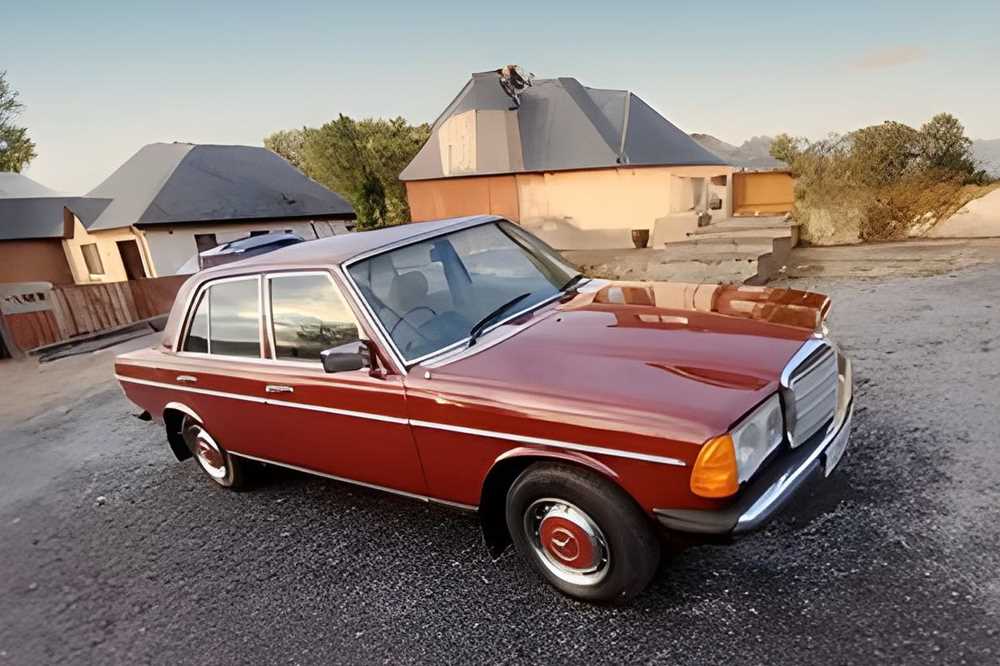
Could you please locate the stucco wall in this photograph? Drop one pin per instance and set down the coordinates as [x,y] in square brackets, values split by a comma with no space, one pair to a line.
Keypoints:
[41,260]
[599,208]
[170,246]
[763,193]
[106,241]
[454,197]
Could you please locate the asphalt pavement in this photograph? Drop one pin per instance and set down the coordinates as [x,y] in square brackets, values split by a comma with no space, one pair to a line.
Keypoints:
[111,552]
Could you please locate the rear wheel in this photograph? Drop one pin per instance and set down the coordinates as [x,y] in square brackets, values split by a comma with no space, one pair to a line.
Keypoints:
[224,469]
[582,533]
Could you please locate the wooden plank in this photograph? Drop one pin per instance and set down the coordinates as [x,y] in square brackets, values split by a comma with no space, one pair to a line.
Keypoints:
[63,322]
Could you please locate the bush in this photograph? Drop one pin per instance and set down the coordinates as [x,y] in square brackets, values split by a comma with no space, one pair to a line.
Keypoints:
[882,182]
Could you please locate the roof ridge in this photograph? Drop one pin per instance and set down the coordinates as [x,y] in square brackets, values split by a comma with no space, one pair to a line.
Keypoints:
[593,113]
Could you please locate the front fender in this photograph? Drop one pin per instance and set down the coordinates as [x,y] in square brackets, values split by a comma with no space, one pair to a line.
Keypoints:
[504,471]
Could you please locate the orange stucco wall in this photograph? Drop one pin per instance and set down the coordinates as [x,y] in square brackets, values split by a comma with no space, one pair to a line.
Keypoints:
[41,260]
[454,197]
[767,192]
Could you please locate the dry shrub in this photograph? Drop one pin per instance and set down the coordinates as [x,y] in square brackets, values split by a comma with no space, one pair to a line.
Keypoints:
[885,182]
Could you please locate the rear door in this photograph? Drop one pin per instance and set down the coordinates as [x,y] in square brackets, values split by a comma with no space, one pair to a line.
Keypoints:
[350,425]
[215,368]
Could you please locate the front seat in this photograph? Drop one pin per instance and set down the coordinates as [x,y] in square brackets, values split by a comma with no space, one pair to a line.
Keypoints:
[407,300]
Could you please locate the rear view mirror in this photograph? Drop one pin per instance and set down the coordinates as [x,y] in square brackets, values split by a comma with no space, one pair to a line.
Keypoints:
[334,361]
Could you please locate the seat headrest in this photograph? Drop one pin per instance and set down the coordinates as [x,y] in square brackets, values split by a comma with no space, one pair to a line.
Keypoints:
[408,290]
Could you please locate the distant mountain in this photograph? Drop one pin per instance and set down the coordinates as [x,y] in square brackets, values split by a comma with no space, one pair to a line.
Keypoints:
[753,154]
[987,154]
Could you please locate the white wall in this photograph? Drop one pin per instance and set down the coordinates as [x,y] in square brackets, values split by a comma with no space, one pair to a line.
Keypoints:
[171,246]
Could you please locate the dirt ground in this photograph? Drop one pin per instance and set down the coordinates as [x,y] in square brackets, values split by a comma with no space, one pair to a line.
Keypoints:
[112,552]
[912,258]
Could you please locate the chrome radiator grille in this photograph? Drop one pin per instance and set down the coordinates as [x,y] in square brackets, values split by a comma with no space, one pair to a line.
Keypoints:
[812,395]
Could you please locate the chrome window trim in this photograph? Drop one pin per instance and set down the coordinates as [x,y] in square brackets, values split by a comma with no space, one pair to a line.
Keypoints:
[345,273]
[521,439]
[404,493]
[195,299]
[269,321]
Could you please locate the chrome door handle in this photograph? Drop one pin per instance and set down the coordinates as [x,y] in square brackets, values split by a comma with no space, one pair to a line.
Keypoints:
[271,388]
[187,379]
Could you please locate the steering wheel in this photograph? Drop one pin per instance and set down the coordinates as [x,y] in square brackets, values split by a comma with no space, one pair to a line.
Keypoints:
[399,321]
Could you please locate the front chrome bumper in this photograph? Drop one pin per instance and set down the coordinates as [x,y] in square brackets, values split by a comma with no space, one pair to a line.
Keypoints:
[765,496]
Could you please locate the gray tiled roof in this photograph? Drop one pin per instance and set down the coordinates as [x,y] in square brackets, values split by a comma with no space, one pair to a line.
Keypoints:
[563,125]
[168,183]
[30,210]
[42,217]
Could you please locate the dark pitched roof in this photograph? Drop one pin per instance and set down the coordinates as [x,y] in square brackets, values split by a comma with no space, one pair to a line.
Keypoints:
[559,125]
[42,217]
[31,210]
[168,183]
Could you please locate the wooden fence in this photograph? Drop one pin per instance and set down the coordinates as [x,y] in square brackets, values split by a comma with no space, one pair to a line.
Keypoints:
[37,315]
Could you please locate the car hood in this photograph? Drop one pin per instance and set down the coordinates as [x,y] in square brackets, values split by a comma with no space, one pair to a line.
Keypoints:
[685,361]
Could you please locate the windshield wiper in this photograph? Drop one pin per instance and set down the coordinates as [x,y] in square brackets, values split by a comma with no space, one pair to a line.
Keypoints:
[572,281]
[481,325]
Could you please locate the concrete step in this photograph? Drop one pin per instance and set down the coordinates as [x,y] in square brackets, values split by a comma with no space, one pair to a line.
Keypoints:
[749,228]
[692,264]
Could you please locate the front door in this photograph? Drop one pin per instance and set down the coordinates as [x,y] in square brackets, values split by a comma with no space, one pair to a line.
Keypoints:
[347,424]
[131,258]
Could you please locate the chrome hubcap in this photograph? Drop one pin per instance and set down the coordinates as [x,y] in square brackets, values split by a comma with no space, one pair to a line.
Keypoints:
[567,541]
[208,453]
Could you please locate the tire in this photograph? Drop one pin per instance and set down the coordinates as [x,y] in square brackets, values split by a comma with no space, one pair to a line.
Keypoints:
[223,469]
[582,533]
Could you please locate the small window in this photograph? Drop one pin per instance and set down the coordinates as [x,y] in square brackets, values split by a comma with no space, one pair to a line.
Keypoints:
[92,257]
[205,241]
[259,232]
[309,316]
[234,318]
[197,337]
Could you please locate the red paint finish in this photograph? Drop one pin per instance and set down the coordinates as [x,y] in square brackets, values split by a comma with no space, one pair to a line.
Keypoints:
[630,369]
[567,543]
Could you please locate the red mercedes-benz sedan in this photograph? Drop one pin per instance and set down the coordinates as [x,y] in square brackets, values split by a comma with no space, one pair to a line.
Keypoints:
[465,362]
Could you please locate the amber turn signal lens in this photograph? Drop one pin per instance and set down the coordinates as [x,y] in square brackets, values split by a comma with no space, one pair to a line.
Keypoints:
[715,473]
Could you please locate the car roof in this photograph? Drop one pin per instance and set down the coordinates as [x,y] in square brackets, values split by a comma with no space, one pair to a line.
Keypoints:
[336,250]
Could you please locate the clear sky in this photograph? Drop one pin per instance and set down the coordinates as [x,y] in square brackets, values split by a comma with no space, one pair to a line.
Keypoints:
[101,79]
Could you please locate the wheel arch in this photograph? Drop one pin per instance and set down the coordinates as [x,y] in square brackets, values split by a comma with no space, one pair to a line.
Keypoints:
[505,469]
[173,418]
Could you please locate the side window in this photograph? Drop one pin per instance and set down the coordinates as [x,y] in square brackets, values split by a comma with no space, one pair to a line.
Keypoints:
[197,337]
[234,318]
[309,316]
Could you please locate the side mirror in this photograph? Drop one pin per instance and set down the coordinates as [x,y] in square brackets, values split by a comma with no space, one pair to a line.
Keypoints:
[345,361]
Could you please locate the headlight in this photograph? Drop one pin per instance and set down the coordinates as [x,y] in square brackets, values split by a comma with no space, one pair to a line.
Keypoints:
[726,461]
[757,436]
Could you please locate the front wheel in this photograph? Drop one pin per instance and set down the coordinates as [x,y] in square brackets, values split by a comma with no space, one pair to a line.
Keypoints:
[582,533]
[222,468]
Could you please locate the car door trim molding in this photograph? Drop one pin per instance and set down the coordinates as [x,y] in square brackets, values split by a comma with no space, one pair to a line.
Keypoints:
[541,441]
[266,401]
[404,493]
[522,439]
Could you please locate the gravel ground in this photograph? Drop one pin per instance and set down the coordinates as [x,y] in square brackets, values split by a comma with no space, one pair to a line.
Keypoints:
[111,552]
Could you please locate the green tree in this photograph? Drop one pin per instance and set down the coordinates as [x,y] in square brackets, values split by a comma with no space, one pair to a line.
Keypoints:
[786,148]
[360,159]
[289,144]
[944,145]
[16,149]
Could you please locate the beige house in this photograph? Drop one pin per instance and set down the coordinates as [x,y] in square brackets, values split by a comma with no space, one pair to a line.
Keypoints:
[582,167]
[158,210]
[170,201]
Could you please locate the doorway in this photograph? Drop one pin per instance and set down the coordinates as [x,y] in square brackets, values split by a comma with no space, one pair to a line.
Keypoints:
[131,259]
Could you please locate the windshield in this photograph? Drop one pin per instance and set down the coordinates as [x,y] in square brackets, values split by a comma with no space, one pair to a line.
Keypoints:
[430,295]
